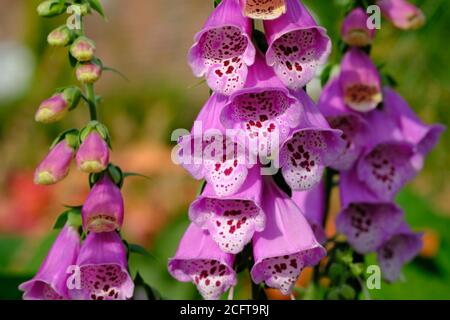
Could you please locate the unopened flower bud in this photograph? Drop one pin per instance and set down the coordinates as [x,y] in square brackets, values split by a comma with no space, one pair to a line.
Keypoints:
[88,72]
[93,154]
[60,36]
[355,31]
[51,8]
[55,165]
[82,49]
[52,109]
[72,96]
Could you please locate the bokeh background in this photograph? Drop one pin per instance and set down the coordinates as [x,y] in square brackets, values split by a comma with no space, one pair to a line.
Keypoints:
[148,41]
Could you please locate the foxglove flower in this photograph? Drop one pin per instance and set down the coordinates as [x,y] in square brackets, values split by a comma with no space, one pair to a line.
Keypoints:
[103,269]
[310,147]
[353,126]
[82,49]
[397,251]
[231,220]
[88,72]
[50,282]
[55,165]
[312,205]
[264,109]
[365,220]
[103,209]
[209,153]
[360,81]
[297,45]
[223,49]
[286,245]
[60,36]
[199,260]
[355,31]
[52,109]
[402,14]
[93,154]
[263,9]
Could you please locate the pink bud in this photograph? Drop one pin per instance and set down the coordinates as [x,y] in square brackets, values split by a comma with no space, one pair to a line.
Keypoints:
[52,109]
[93,154]
[402,14]
[88,72]
[82,49]
[55,165]
[354,30]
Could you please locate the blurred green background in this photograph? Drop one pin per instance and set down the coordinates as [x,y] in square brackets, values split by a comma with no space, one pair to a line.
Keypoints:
[148,41]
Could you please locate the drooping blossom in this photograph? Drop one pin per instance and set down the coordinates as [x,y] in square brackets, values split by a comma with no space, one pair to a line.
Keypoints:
[93,153]
[103,269]
[286,245]
[103,209]
[402,14]
[88,72]
[297,45]
[355,31]
[199,260]
[82,49]
[52,109]
[50,282]
[223,49]
[231,220]
[263,9]
[60,36]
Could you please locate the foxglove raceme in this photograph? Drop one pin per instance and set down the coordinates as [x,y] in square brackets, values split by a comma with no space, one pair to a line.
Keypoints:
[286,245]
[297,45]
[93,154]
[88,72]
[103,269]
[50,282]
[355,31]
[223,49]
[360,81]
[55,165]
[199,260]
[263,9]
[231,220]
[402,14]
[82,49]
[103,209]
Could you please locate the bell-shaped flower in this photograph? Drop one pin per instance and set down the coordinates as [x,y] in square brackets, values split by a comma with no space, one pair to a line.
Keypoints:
[310,147]
[199,260]
[402,14]
[55,165]
[360,81]
[231,220]
[50,282]
[297,45]
[103,269]
[93,153]
[366,221]
[263,9]
[88,73]
[355,31]
[223,49]
[103,209]
[286,245]
[52,109]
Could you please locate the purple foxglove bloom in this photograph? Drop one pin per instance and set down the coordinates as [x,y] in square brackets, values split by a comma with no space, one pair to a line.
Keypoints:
[310,147]
[103,209]
[50,282]
[354,30]
[231,220]
[52,109]
[263,9]
[286,245]
[223,49]
[208,153]
[402,14]
[365,220]
[360,81]
[93,154]
[297,45]
[103,269]
[397,251]
[199,260]
[55,165]
[312,205]
[264,109]
[88,72]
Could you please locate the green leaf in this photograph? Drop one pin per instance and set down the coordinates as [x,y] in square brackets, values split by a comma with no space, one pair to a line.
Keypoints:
[151,293]
[325,75]
[347,292]
[61,221]
[116,72]
[135,248]
[217,2]
[97,6]
[134,174]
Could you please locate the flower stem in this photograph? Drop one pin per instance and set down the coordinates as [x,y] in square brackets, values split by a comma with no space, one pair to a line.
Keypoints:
[92,103]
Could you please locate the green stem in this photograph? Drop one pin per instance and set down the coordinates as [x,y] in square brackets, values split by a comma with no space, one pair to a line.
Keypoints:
[92,103]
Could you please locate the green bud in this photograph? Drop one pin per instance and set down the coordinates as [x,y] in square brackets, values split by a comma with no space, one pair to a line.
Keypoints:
[72,95]
[348,292]
[51,8]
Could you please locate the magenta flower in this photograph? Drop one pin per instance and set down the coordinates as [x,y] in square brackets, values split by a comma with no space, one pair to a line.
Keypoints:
[223,49]
[402,14]
[297,45]
[360,81]
[310,147]
[264,109]
[354,29]
[263,9]
[353,126]
[401,248]
[103,209]
[312,204]
[208,153]
[286,245]
[55,165]
[103,269]
[231,220]
[50,282]
[365,220]
[52,109]
[93,154]
[199,260]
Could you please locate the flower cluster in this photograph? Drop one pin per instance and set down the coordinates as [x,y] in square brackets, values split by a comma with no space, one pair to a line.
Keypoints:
[95,268]
[257,118]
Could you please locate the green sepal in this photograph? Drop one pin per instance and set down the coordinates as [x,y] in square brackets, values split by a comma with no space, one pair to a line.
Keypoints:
[71,137]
